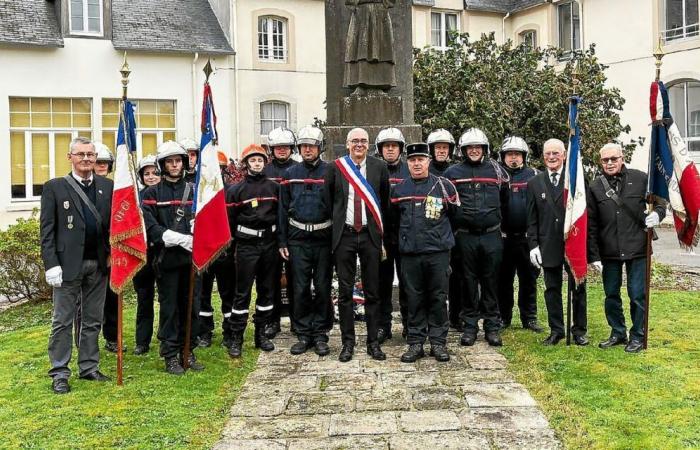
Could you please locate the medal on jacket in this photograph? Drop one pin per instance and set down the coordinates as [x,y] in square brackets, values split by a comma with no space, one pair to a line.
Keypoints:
[70,222]
[254,203]
[433,207]
[543,196]
[66,204]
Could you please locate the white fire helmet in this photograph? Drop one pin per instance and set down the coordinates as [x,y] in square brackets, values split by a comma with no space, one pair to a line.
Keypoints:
[189,144]
[441,136]
[474,136]
[103,152]
[310,135]
[279,137]
[171,148]
[147,161]
[389,135]
[514,144]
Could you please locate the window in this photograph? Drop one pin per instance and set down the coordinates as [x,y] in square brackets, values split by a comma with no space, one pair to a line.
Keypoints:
[569,28]
[86,17]
[155,123]
[40,133]
[528,38]
[272,39]
[685,108]
[272,115]
[441,23]
[681,19]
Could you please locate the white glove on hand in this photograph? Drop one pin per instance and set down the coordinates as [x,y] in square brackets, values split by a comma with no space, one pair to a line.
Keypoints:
[652,219]
[597,265]
[54,276]
[171,238]
[536,257]
[186,242]
[192,226]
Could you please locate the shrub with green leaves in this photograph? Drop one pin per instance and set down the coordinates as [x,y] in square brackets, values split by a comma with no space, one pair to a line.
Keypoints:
[21,267]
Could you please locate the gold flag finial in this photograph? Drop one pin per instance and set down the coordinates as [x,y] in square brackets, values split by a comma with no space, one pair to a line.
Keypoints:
[125,71]
[208,70]
[575,75]
[658,54]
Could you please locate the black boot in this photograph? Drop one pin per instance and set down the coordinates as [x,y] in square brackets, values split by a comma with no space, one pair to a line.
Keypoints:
[193,364]
[272,329]
[439,352]
[236,348]
[413,354]
[173,366]
[262,342]
[494,338]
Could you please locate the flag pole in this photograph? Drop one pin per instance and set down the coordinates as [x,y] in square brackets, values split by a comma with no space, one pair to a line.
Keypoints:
[658,54]
[125,71]
[575,72]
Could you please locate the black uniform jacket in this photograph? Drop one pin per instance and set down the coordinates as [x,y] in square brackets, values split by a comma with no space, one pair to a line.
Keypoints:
[63,239]
[612,232]
[252,203]
[545,219]
[515,210]
[337,189]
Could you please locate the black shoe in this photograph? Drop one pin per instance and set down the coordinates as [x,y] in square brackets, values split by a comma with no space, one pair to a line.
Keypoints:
[141,349]
[439,352]
[634,346]
[533,325]
[494,339]
[468,339]
[383,335]
[95,376]
[321,348]
[346,353]
[173,366]
[193,364]
[263,342]
[375,351]
[300,347]
[413,354]
[60,386]
[581,340]
[271,330]
[204,341]
[613,341]
[111,346]
[552,339]
[236,348]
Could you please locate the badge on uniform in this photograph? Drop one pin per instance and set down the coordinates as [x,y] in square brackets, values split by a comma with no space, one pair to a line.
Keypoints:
[254,203]
[70,222]
[516,189]
[433,207]
[99,191]
[543,196]
[66,204]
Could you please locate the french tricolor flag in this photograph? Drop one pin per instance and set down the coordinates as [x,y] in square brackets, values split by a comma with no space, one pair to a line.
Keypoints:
[211,230]
[127,232]
[576,219]
[672,174]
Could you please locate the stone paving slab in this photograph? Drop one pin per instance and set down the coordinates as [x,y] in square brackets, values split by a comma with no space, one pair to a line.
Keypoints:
[307,402]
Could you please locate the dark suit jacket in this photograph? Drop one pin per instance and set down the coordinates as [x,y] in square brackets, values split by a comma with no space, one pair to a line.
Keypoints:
[545,218]
[337,189]
[61,245]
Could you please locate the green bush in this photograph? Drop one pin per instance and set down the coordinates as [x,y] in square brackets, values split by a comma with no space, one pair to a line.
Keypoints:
[21,267]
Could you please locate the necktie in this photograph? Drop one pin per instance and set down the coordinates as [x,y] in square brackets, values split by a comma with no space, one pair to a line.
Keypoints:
[357,210]
[86,182]
[554,178]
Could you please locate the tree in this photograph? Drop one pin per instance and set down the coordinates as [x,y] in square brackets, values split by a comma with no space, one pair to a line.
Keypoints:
[516,90]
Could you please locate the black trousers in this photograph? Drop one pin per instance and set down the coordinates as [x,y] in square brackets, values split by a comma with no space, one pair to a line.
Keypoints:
[173,292]
[427,281]
[223,270]
[255,263]
[386,287]
[516,259]
[144,285]
[555,310]
[281,308]
[353,245]
[481,261]
[456,290]
[313,311]
[109,322]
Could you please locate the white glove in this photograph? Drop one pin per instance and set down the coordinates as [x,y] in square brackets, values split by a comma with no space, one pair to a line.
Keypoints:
[652,219]
[192,226]
[186,242]
[171,238]
[597,265]
[54,276]
[536,257]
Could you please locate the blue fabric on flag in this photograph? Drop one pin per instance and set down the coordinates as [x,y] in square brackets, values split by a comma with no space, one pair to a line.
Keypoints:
[126,135]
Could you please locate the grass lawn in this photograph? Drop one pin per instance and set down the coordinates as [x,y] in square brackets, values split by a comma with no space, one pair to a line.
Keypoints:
[152,409]
[614,400]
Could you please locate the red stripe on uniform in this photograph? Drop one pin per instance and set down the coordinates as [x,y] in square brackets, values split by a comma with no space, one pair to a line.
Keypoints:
[476,180]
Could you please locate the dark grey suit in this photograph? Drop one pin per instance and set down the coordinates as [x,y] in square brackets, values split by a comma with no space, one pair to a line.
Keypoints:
[63,234]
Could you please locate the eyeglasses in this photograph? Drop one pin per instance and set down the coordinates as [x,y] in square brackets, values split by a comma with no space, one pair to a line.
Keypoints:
[359,141]
[611,160]
[83,155]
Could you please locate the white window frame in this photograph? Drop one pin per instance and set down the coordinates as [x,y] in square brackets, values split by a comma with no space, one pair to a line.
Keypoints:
[687,30]
[85,31]
[270,19]
[443,27]
[288,114]
[524,33]
[687,113]
[568,53]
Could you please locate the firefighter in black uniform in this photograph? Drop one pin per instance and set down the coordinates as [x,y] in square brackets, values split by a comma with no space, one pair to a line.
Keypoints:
[167,211]
[482,186]
[223,270]
[390,144]
[422,203]
[305,241]
[516,252]
[192,148]
[253,220]
[281,143]
[145,279]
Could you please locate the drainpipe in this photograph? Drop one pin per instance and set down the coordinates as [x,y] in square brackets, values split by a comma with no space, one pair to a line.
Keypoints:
[194,95]
[236,106]
[504,26]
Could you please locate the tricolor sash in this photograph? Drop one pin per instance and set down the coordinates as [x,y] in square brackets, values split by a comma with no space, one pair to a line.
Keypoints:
[362,188]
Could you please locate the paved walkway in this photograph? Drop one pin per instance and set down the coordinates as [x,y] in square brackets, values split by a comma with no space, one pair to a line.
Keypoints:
[308,402]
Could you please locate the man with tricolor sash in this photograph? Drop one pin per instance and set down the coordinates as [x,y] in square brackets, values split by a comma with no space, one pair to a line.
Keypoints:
[357,186]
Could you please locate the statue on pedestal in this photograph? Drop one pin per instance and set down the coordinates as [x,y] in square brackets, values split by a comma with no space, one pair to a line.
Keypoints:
[369,48]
